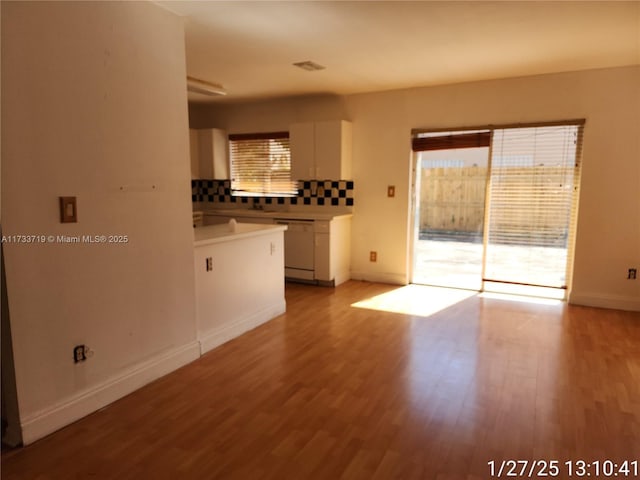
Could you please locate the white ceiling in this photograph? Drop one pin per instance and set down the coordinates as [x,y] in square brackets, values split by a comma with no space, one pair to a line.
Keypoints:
[249,47]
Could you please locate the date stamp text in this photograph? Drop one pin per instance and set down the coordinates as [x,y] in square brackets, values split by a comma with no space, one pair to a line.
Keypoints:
[568,469]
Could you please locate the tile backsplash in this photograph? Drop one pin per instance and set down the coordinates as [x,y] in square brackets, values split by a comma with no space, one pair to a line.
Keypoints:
[337,193]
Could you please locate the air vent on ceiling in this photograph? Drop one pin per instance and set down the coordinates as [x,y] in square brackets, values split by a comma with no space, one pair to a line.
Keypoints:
[309,66]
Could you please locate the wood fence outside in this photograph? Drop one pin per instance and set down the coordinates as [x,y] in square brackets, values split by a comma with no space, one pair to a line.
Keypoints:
[527,202]
[452,199]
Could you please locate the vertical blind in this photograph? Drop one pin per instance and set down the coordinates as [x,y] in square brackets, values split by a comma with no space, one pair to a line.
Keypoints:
[261,165]
[534,178]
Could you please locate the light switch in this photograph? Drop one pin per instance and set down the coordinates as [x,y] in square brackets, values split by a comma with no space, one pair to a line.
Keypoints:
[68,210]
[391,191]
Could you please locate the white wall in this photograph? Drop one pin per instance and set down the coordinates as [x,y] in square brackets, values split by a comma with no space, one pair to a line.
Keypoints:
[94,99]
[608,240]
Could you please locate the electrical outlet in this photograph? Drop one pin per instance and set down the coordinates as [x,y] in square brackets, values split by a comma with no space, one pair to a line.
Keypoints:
[633,274]
[391,191]
[79,353]
[209,264]
[373,256]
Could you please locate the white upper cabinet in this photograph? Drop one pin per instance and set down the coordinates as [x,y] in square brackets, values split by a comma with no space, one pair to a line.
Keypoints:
[194,153]
[320,150]
[302,144]
[209,153]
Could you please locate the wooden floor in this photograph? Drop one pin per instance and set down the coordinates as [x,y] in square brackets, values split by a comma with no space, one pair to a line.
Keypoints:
[332,391]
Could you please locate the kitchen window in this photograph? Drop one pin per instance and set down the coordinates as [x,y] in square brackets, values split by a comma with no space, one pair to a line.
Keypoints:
[261,165]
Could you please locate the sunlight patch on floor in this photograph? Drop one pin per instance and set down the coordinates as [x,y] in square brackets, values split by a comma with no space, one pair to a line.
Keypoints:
[418,300]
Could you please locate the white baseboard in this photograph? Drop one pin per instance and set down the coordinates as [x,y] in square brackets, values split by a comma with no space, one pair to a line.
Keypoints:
[47,421]
[617,302]
[217,336]
[390,278]
[342,277]
[44,422]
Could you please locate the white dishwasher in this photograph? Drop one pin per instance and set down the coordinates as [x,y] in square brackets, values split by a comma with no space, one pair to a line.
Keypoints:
[299,249]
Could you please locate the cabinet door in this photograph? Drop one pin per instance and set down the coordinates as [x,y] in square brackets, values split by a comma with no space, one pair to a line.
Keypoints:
[194,153]
[213,153]
[205,153]
[333,150]
[322,257]
[323,250]
[220,148]
[327,150]
[301,143]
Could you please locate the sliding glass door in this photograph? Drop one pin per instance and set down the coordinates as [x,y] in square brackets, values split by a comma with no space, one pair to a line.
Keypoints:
[495,209]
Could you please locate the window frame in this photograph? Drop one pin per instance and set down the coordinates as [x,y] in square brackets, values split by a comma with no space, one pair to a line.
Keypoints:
[256,175]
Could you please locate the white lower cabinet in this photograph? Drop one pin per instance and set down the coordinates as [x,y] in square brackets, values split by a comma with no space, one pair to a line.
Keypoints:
[333,251]
[315,251]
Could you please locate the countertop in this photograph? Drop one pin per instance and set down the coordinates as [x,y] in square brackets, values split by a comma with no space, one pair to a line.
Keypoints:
[227,232]
[296,214]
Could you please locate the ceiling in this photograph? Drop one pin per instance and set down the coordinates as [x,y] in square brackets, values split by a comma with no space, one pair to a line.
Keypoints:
[249,47]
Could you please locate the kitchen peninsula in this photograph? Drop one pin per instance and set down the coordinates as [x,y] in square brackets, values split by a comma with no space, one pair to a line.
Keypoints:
[239,269]
[317,242]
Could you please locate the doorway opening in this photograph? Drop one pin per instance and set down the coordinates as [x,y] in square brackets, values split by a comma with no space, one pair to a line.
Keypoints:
[495,209]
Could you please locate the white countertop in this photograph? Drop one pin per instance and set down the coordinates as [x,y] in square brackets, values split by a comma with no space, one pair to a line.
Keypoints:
[227,232]
[297,214]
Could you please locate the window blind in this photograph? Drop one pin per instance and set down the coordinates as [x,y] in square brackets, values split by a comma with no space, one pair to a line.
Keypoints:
[534,178]
[438,141]
[261,165]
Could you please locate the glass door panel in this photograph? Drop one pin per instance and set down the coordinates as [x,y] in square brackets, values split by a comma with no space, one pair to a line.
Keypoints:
[450,210]
[534,176]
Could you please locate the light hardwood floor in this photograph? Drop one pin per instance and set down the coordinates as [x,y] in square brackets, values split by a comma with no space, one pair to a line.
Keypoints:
[331,391]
